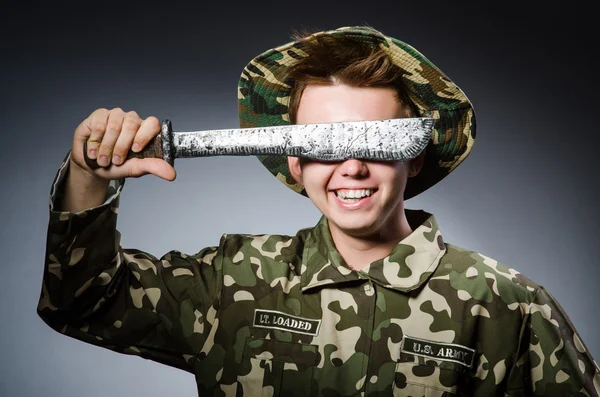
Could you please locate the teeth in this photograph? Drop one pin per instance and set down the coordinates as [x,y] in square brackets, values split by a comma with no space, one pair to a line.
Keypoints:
[353,194]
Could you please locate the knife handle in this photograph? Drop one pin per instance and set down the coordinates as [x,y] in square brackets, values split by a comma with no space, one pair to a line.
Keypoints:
[161,147]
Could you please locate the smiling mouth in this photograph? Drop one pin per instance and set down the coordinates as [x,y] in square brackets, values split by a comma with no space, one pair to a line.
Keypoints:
[353,195]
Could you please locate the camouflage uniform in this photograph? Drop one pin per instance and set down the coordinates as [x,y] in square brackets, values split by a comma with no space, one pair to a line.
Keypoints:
[271,315]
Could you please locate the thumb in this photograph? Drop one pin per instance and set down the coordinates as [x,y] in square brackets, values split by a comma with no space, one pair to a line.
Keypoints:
[158,167]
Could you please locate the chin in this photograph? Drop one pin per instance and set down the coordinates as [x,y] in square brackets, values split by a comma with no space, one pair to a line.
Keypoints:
[354,228]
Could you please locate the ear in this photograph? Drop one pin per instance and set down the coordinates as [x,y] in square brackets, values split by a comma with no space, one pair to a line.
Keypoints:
[415,165]
[295,169]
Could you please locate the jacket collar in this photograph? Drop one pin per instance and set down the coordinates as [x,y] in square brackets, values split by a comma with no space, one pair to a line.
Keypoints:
[407,267]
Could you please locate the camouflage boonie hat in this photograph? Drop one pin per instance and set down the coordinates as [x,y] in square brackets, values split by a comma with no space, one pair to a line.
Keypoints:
[264,95]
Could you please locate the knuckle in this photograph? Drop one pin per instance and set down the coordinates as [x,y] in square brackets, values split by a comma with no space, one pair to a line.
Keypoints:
[120,150]
[92,144]
[95,123]
[113,125]
[99,111]
[104,148]
[153,121]
[98,126]
[133,171]
[131,123]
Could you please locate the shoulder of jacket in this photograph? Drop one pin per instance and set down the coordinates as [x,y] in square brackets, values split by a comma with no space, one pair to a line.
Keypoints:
[475,269]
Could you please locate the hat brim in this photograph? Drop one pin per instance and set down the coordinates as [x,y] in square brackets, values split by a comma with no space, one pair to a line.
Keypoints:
[264,94]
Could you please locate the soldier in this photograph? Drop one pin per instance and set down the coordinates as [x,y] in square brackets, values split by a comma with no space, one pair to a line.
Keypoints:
[369,302]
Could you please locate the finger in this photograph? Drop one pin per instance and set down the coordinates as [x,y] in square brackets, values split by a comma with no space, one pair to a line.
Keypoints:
[111,134]
[129,129]
[149,128]
[137,167]
[95,125]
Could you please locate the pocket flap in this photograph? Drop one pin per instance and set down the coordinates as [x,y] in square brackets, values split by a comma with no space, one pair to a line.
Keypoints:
[276,350]
[426,376]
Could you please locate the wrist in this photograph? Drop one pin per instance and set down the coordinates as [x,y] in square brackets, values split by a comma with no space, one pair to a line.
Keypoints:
[86,178]
[83,189]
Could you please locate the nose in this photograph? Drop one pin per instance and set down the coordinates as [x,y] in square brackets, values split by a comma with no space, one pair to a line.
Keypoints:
[353,168]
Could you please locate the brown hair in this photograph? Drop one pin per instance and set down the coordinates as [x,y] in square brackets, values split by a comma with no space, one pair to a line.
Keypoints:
[344,59]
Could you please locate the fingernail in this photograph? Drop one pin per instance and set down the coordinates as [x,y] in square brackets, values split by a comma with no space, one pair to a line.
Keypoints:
[92,153]
[136,147]
[103,161]
[116,159]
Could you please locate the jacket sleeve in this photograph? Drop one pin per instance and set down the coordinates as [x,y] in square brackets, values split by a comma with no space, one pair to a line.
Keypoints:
[125,300]
[554,360]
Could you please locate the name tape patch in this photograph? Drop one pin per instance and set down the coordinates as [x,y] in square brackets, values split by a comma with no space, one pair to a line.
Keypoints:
[277,320]
[438,350]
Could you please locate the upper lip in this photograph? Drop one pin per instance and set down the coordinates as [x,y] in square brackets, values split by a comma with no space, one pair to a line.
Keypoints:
[353,188]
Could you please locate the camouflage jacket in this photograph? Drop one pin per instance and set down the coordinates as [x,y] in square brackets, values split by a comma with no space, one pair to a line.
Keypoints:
[271,315]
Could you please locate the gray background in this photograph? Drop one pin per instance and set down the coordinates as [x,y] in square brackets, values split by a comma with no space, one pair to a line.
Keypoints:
[526,196]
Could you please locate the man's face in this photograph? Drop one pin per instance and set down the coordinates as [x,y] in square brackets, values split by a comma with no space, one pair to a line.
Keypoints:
[359,198]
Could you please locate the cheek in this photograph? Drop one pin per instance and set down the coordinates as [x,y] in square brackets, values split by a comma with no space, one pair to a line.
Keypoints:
[316,175]
[396,176]
[393,171]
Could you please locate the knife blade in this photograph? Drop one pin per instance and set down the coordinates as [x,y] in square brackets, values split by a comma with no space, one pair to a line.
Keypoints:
[392,139]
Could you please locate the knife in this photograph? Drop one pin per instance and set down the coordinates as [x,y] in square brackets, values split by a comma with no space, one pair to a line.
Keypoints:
[391,139]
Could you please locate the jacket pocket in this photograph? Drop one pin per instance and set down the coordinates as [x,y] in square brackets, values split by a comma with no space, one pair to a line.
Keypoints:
[428,378]
[275,368]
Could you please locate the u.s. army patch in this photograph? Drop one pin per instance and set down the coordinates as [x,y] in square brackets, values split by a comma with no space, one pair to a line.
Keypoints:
[438,350]
[284,322]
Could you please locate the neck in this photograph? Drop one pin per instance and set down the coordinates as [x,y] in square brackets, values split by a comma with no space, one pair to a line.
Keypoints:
[359,251]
